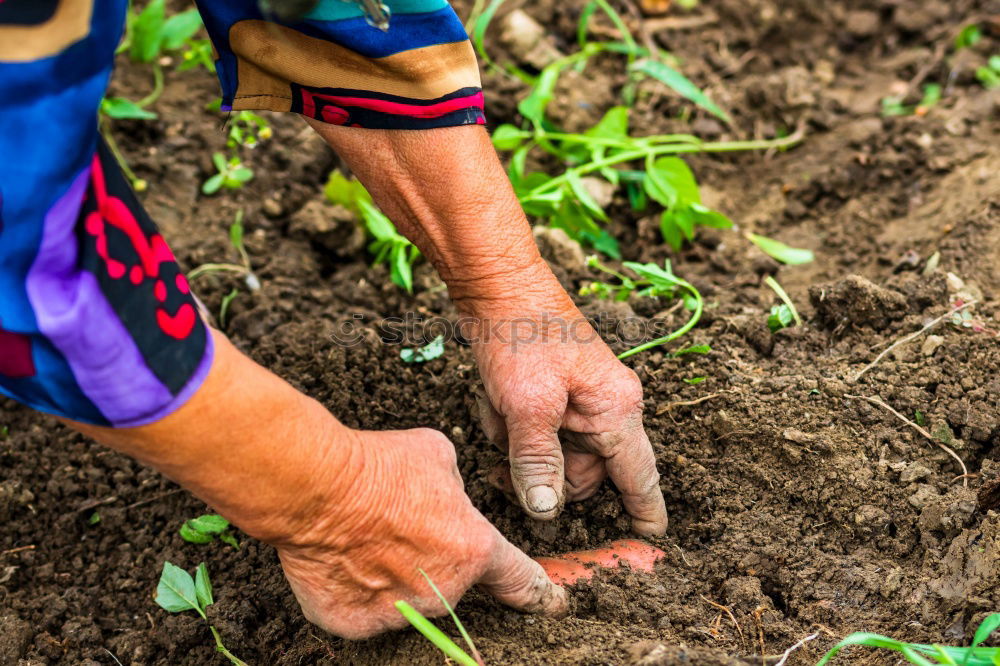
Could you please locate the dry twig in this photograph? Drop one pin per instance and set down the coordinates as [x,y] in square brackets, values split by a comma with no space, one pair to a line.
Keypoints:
[911,336]
[726,610]
[688,403]
[20,549]
[789,651]
[921,430]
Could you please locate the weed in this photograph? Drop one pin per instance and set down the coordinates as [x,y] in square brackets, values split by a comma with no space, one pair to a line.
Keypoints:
[435,635]
[231,175]
[244,268]
[247,129]
[989,74]
[208,528]
[178,592]
[917,653]
[388,245]
[429,352]
[785,314]
[197,52]
[653,282]
[646,167]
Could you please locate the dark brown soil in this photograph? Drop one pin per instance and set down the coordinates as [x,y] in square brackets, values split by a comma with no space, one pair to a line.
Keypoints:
[796,508]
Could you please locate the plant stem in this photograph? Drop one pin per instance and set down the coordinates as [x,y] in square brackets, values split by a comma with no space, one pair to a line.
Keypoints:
[222,648]
[109,138]
[434,635]
[675,149]
[157,87]
[205,269]
[699,306]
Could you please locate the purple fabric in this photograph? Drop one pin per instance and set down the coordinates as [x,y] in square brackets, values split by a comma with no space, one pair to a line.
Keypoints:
[73,313]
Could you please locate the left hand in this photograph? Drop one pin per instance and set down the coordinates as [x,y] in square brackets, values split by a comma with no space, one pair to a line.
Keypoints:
[569,414]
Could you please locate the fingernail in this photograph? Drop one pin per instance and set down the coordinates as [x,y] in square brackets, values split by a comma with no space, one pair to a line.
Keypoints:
[542,499]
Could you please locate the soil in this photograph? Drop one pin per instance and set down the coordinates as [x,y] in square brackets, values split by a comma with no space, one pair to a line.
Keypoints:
[797,508]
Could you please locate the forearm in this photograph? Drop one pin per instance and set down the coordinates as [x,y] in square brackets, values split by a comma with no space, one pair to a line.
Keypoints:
[447,192]
[248,444]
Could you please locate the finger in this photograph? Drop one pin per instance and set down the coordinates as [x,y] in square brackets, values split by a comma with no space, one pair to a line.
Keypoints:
[490,420]
[632,467]
[520,582]
[584,474]
[536,467]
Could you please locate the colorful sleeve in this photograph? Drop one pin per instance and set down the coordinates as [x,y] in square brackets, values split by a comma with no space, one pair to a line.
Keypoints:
[97,322]
[337,66]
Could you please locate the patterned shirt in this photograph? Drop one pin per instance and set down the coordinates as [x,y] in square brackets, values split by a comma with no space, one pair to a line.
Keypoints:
[97,321]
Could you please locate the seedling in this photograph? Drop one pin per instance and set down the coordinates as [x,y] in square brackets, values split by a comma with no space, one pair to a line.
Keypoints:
[197,52]
[694,380]
[645,167]
[429,352]
[388,245]
[653,282]
[236,239]
[178,592]
[208,528]
[232,175]
[989,74]
[968,36]
[784,315]
[928,655]
[435,635]
[247,129]
[894,106]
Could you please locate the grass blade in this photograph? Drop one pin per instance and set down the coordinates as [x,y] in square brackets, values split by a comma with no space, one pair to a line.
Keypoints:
[458,623]
[783,295]
[681,84]
[434,635]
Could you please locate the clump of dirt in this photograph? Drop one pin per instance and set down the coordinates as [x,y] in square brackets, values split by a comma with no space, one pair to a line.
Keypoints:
[795,508]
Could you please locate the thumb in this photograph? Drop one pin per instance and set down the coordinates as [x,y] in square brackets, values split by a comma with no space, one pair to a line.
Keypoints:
[536,468]
[520,582]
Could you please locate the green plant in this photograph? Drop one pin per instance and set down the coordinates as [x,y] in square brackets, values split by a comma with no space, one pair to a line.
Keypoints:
[645,167]
[247,129]
[178,592]
[785,314]
[435,635]
[231,175]
[989,74]
[388,245]
[968,36]
[208,528]
[197,52]
[922,655]
[244,268]
[894,106]
[781,252]
[653,282]
[432,350]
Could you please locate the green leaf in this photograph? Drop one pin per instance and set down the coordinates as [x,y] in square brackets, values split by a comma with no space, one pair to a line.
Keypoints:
[583,196]
[347,192]
[706,217]
[614,124]
[693,349]
[230,540]
[175,592]
[479,29]
[988,626]
[429,352]
[508,137]
[203,587]
[674,173]
[179,28]
[147,32]
[212,185]
[680,84]
[378,224]
[124,109]
[192,535]
[533,106]
[236,234]
[219,160]
[781,252]
[694,380]
[606,243]
[209,524]
[969,36]
[780,317]
[401,270]
[241,175]
[672,234]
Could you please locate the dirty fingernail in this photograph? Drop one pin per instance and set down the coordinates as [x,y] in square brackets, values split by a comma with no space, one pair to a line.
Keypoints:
[542,499]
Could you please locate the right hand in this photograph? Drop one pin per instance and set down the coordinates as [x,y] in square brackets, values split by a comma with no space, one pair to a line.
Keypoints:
[405,510]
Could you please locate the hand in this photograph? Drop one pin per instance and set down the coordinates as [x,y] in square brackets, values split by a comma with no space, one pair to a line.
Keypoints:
[406,510]
[560,404]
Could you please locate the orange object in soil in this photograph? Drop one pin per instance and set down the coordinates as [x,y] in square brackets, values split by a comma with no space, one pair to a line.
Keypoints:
[582,564]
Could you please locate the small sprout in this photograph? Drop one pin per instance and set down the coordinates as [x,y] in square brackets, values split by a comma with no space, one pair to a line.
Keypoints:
[694,380]
[436,636]
[693,349]
[919,418]
[94,519]
[248,129]
[968,36]
[231,174]
[207,528]
[782,316]
[894,106]
[429,352]
[197,52]
[917,653]
[989,74]
[178,592]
